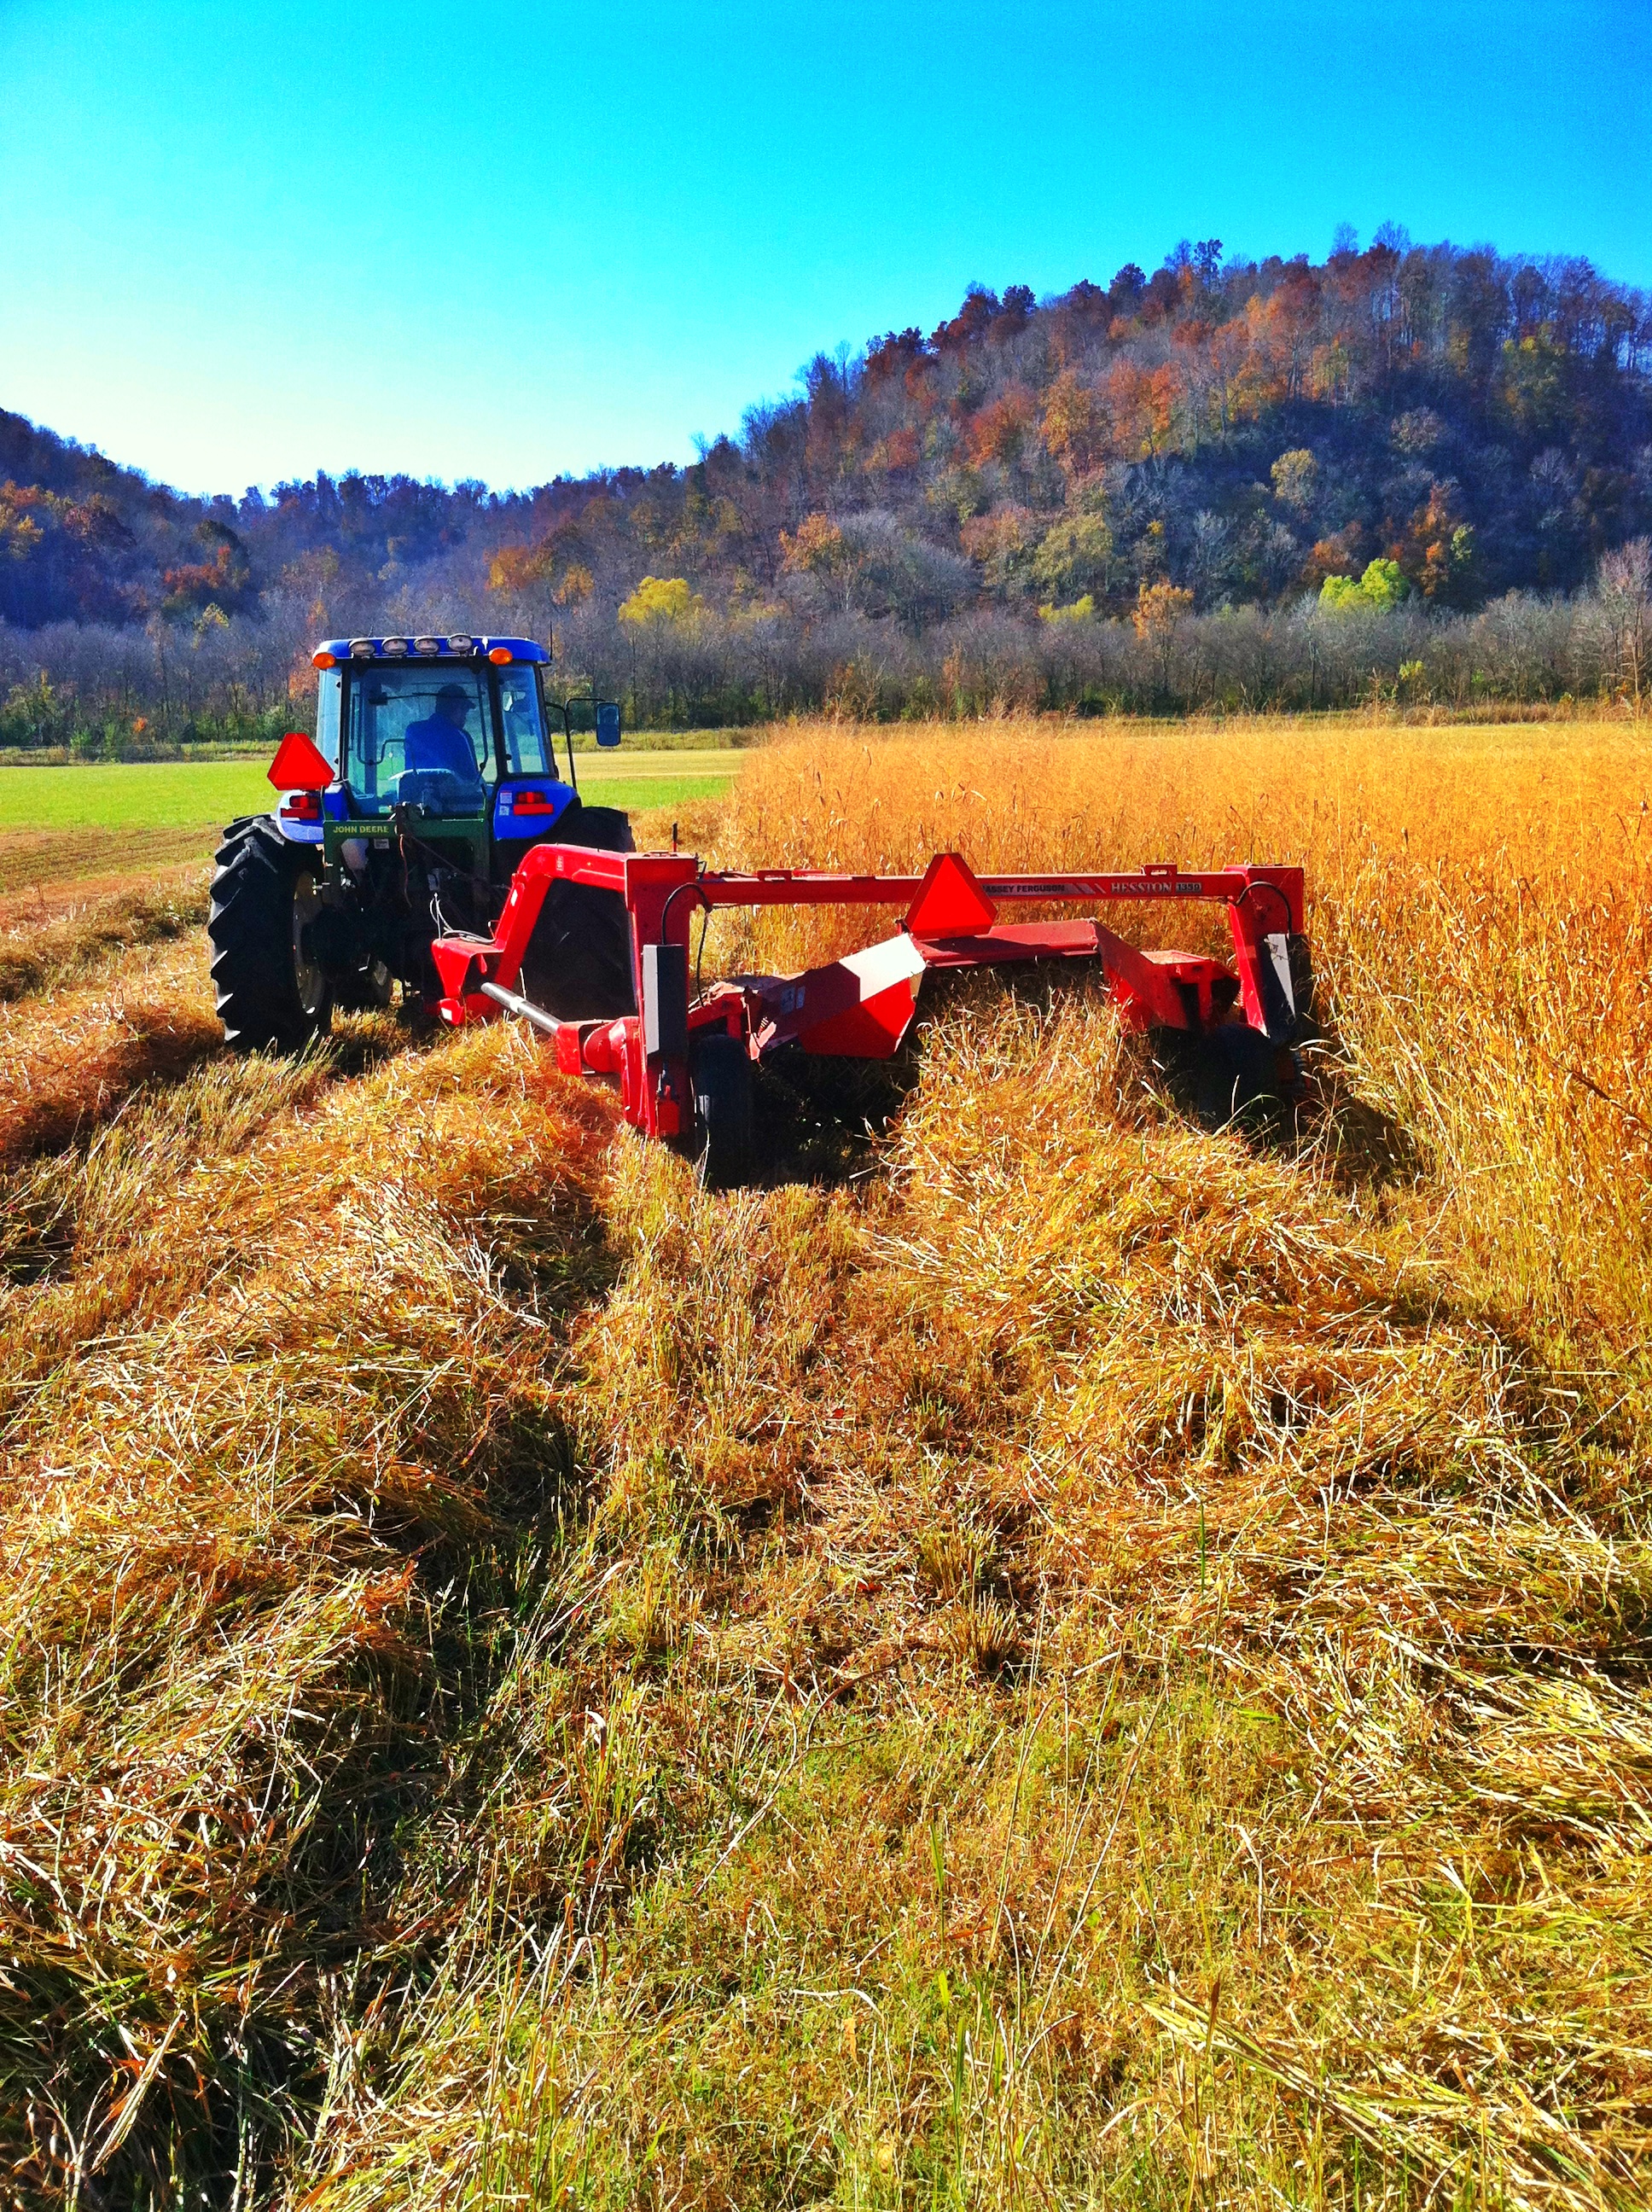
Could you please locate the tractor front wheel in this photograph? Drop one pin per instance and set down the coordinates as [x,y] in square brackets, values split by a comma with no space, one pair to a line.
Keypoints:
[271,994]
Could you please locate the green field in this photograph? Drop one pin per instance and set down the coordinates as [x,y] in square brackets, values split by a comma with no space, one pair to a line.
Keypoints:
[188,794]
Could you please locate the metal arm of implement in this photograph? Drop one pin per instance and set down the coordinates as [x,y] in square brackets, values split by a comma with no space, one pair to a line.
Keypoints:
[861,1006]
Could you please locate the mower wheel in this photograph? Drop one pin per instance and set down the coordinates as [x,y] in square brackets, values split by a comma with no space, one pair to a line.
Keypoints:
[1239,1077]
[721,1068]
[272,995]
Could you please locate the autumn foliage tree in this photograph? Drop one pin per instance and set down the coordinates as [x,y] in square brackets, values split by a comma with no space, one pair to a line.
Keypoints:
[1238,433]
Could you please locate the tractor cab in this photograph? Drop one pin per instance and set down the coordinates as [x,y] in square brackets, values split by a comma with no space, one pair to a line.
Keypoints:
[434,768]
[457,729]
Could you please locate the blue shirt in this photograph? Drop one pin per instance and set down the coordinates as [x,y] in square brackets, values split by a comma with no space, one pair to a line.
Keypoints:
[435,744]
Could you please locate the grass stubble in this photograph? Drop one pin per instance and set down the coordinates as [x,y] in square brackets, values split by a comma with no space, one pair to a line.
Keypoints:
[1095,1664]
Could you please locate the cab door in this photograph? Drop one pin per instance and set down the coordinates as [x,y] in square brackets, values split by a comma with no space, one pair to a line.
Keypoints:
[531,797]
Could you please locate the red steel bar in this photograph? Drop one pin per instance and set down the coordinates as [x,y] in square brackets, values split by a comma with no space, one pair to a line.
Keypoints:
[815,887]
[948,922]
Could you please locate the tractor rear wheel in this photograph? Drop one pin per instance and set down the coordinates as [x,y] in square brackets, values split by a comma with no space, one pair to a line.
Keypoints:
[271,994]
[578,964]
[723,1107]
[607,828]
[232,834]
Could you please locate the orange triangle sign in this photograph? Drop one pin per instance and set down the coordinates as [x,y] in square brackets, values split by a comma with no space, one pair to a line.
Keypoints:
[298,766]
[949,902]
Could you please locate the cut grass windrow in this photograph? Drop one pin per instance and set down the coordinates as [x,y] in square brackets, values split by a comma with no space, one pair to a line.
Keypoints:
[262,1545]
[44,954]
[1090,1665]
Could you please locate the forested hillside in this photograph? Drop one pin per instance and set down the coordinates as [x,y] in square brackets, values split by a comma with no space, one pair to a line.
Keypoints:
[1036,500]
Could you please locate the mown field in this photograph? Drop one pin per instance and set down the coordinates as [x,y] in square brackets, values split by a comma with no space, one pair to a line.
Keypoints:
[191,795]
[1092,1662]
[72,834]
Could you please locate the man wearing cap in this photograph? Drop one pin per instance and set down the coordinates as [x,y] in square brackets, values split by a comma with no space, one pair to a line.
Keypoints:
[442,741]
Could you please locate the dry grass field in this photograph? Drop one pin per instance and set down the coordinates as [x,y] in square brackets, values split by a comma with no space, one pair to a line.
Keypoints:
[1093,1663]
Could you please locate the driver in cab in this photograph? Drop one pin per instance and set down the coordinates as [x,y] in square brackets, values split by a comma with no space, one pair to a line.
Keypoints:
[442,742]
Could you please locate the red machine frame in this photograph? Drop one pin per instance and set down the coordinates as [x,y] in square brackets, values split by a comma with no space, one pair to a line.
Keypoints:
[861,1006]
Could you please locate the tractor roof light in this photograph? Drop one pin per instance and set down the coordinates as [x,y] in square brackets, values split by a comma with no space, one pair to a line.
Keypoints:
[427,645]
[361,648]
[500,655]
[394,647]
[325,659]
[461,645]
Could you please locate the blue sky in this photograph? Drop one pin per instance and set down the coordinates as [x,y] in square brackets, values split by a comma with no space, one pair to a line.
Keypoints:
[238,243]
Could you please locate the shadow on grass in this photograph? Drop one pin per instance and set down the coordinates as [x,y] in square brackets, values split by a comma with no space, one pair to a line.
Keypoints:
[821,1120]
[1363,1147]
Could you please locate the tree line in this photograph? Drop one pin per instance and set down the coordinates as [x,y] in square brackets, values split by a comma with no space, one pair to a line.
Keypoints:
[93,691]
[1232,481]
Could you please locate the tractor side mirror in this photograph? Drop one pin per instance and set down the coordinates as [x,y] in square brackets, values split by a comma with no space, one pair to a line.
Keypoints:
[608,725]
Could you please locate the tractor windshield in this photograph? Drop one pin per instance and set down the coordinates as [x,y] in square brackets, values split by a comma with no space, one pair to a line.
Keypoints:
[419,733]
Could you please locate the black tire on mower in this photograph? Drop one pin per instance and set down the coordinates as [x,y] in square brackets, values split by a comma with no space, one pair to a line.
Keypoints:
[1237,1077]
[269,998]
[578,964]
[722,1107]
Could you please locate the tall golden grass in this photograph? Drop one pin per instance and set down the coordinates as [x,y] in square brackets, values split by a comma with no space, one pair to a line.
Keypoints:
[1481,917]
[1094,1665]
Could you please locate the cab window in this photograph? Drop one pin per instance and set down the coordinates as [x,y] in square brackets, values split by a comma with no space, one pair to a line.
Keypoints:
[419,732]
[528,751]
[326,717]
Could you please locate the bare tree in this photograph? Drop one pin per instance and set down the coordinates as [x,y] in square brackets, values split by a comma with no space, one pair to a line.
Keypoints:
[1624,596]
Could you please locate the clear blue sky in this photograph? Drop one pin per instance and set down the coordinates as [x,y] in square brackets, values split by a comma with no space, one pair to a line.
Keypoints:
[242,242]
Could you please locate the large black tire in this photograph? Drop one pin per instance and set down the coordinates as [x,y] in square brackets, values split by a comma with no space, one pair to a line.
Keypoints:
[271,995]
[232,834]
[578,964]
[607,829]
[722,1107]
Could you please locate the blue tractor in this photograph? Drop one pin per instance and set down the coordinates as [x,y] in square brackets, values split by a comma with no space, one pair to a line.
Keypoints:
[433,771]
